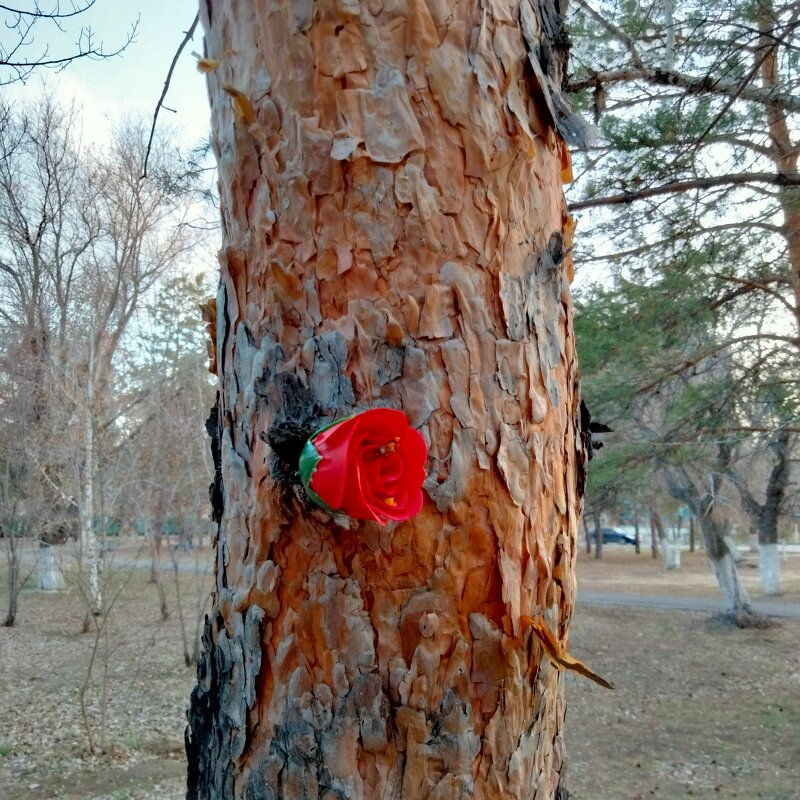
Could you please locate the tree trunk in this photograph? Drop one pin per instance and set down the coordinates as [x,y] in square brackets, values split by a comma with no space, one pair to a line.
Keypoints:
[752,539]
[723,565]
[12,556]
[769,569]
[153,528]
[51,578]
[154,538]
[660,538]
[713,530]
[692,534]
[395,235]
[733,548]
[588,534]
[653,537]
[636,531]
[89,552]
[598,536]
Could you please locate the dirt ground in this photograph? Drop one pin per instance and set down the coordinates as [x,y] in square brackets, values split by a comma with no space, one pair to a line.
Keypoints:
[621,570]
[700,710]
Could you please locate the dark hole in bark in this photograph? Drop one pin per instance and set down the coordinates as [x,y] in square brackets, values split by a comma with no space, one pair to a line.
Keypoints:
[215,487]
[298,417]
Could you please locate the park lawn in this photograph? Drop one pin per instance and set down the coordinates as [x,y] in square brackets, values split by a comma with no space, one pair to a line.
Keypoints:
[622,570]
[700,710]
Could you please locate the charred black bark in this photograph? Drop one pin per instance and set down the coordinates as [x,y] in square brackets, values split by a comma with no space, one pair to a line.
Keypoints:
[216,734]
[215,488]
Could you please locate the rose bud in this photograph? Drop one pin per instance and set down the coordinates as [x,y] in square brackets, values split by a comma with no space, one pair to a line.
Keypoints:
[368,466]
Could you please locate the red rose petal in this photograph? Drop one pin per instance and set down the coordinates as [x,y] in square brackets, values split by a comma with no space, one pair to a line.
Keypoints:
[357,478]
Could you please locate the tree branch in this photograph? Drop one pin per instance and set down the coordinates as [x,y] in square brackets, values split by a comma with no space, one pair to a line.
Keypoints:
[750,285]
[615,31]
[687,363]
[55,14]
[673,187]
[186,39]
[705,85]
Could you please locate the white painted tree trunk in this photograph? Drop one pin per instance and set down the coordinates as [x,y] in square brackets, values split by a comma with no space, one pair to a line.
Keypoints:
[51,577]
[724,570]
[672,555]
[734,550]
[769,567]
[664,545]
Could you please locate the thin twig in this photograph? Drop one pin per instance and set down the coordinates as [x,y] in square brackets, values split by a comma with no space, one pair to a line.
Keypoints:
[186,39]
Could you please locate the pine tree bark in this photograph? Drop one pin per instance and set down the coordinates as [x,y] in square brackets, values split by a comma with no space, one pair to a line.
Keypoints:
[395,234]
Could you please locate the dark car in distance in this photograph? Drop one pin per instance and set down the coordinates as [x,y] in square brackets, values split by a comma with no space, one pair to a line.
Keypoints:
[613,536]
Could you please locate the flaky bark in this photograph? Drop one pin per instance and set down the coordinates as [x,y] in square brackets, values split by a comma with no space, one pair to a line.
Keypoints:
[395,235]
[784,151]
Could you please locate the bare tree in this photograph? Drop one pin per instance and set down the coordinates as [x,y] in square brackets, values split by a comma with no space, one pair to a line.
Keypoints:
[26,31]
[172,391]
[82,239]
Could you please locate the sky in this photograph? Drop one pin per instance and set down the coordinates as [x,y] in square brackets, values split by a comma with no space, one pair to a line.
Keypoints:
[131,82]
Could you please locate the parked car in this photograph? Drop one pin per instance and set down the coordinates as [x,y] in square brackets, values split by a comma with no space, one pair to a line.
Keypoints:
[613,536]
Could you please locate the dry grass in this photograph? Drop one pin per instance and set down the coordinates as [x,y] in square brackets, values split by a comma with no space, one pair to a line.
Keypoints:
[699,710]
[44,744]
[621,570]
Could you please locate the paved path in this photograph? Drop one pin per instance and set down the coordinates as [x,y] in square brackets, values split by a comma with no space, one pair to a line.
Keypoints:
[202,565]
[770,608]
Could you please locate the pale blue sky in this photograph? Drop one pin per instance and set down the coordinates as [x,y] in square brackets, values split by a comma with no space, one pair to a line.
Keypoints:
[133,81]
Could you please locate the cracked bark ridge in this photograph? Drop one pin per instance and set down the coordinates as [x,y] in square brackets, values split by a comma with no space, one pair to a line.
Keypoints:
[395,234]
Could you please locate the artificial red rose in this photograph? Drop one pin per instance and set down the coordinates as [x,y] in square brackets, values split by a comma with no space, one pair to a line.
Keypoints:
[368,466]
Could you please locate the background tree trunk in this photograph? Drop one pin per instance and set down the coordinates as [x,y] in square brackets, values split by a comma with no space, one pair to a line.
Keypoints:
[713,530]
[659,534]
[598,535]
[654,541]
[395,234]
[765,516]
[12,556]
[90,555]
[50,575]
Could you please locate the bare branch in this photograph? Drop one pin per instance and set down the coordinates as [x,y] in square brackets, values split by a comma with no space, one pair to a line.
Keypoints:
[23,22]
[53,15]
[186,39]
